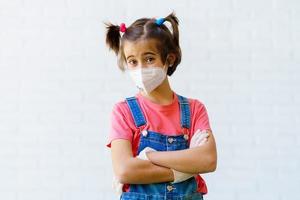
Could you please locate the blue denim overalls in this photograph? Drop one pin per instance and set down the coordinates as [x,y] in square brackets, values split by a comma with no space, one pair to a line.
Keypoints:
[186,190]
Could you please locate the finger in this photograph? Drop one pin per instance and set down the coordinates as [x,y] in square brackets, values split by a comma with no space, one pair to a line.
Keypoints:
[149,149]
[201,136]
[199,133]
[200,139]
[195,138]
[192,144]
[203,141]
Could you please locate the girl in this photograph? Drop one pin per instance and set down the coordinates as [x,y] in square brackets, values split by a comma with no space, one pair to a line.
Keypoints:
[160,141]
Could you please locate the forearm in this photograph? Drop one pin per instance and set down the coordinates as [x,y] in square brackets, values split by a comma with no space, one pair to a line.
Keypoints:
[195,160]
[138,171]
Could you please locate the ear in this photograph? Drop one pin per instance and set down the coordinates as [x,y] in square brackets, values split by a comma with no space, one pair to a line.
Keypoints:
[171,59]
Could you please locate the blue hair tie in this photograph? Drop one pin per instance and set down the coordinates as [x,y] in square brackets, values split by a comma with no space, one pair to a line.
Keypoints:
[160,21]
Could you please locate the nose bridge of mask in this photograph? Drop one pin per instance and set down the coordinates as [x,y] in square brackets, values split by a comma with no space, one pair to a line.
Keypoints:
[144,68]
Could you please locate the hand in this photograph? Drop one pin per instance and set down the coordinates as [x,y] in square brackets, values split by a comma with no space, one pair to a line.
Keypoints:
[180,176]
[143,154]
[117,186]
[199,138]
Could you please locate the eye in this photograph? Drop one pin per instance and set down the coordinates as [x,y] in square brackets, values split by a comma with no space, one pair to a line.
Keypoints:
[149,59]
[132,62]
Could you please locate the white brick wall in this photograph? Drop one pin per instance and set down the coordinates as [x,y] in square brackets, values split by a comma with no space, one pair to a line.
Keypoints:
[58,83]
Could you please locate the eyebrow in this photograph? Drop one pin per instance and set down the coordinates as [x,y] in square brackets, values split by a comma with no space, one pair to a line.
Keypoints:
[148,52]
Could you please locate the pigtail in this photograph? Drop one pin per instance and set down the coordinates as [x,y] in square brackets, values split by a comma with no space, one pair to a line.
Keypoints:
[113,37]
[174,22]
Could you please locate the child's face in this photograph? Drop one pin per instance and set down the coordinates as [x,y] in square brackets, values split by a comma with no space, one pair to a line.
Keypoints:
[142,53]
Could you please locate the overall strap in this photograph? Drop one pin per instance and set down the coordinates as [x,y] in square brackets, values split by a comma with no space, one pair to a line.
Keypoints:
[185,113]
[136,111]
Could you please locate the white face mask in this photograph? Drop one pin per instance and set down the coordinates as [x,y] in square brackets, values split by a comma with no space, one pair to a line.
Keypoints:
[148,78]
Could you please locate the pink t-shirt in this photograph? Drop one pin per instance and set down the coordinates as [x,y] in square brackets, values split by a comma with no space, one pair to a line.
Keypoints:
[160,118]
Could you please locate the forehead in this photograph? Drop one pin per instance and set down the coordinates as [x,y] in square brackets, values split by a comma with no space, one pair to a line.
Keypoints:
[138,47]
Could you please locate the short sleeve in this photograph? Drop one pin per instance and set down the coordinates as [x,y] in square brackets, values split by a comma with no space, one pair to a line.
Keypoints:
[200,119]
[119,126]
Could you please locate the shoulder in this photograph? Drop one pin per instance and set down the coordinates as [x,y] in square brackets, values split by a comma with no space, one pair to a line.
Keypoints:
[199,115]
[196,103]
[121,107]
[119,104]
[197,107]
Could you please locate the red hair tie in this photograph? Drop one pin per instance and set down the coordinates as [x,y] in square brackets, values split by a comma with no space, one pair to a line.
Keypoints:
[122,27]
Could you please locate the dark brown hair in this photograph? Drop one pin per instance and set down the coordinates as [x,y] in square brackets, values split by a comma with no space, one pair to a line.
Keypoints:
[146,28]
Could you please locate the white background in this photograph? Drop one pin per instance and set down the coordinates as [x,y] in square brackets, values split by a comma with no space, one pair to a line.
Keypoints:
[58,83]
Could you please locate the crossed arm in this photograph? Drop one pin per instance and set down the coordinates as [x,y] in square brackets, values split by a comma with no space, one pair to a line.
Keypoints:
[128,169]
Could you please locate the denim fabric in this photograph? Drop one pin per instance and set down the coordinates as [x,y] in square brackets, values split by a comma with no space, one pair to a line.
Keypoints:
[186,190]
